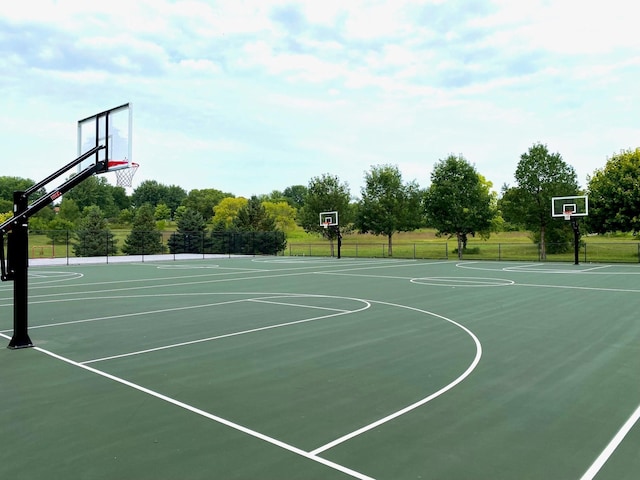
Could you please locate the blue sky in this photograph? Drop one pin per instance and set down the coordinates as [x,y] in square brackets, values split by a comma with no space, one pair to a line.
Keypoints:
[250,96]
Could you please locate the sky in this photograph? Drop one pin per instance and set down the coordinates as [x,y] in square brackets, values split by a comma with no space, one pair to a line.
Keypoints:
[251,96]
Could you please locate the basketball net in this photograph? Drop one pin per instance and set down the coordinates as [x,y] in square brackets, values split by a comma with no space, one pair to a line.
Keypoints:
[124,176]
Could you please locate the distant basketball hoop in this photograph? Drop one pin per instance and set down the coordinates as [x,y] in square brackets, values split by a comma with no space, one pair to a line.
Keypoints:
[124,171]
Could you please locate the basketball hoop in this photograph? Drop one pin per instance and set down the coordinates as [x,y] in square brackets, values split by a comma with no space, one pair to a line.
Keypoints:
[567,215]
[326,224]
[124,172]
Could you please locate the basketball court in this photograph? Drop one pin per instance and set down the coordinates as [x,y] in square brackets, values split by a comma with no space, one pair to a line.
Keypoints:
[298,367]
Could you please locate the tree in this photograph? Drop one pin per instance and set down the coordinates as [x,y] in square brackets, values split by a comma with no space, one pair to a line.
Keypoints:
[144,239]
[154,193]
[459,201]
[94,191]
[614,194]
[8,185]
[227,210]
[261,236]
[295,195]
[58,230]
[326,194]
[204,201]
[93,237]
[540,175]
[120,198]
[253,217]
[69,210]
[190,235]
[283,214]
[387,205]
[161,212]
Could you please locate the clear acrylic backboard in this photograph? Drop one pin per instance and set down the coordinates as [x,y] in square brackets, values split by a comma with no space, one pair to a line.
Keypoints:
[111,129]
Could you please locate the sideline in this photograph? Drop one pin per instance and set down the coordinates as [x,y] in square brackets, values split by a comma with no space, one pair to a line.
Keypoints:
[612,446]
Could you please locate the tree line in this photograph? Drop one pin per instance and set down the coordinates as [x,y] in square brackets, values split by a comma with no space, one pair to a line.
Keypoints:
[459,202]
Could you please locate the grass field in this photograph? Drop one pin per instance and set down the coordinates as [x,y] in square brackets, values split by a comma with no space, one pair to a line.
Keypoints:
[319,368]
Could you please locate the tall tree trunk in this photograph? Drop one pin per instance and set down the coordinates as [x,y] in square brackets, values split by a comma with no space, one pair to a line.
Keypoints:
[390,247]
[460,247]
[543,246]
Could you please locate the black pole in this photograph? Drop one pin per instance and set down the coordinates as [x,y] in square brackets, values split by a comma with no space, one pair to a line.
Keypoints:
[19,259]
[576,241]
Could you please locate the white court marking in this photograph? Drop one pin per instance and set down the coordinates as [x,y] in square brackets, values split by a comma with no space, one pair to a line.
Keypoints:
[546,268]
[271,298]
[210,416]
[463,281]
[612,446]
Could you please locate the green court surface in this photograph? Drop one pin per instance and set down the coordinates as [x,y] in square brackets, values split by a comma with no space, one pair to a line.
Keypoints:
[312,368]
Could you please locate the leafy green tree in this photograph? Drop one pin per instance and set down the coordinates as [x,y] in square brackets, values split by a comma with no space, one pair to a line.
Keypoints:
[180,211]
[539,176]
[274,197]
[388,205]
[204,201]
[261,236]
[459,201]
[154,193]
[227,210]
[120,198]
[8,185]
[126,216]
[41,219]
[326,193]
[69,210]
[190,236]
[614,194]
[174,197]
[283,214]
[59,230]
[144,239]
[93,237]
[162,212]
[94,191]
[253,217]
[295,195]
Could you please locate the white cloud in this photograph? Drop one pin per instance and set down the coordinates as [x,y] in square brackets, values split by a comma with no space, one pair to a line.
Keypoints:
[328,86]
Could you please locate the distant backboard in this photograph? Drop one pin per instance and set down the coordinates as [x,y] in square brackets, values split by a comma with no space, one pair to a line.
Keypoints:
[112,129]
[328,219]
[572,206]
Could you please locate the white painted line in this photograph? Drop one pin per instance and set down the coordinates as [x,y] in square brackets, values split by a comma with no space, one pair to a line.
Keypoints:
[612,446]
[135,314]
[287,304]
[228,335]
[597,268]
[569,287]
[419,403]
[213,417]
